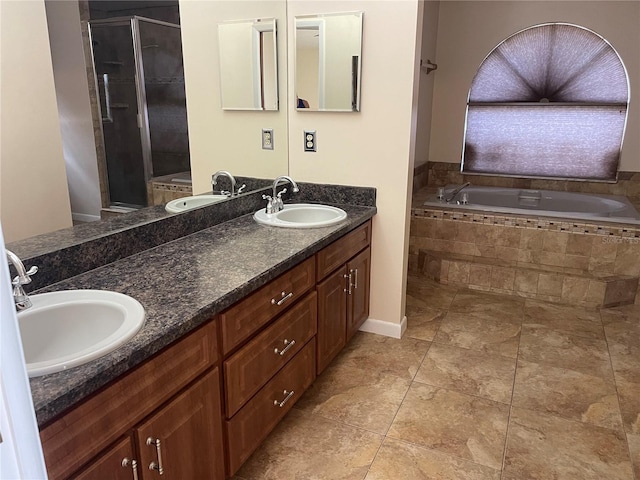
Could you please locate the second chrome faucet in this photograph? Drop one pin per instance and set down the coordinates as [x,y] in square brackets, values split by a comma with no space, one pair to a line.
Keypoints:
[274,201]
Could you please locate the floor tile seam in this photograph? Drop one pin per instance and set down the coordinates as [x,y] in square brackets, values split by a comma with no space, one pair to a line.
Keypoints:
[616,386]
[440,452]
[513,389]
[463,393]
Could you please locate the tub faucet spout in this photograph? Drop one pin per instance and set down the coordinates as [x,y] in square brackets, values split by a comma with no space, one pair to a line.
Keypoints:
[20,297]
[456,192]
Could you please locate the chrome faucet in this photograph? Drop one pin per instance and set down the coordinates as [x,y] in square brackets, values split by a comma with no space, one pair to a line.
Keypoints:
[274,201]
[232,193]
[456,192]
[20,297]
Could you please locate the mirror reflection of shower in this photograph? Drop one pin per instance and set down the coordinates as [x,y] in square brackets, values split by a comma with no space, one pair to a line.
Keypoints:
[140,82]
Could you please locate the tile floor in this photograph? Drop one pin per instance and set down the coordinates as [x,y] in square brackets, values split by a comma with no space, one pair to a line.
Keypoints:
[481,387]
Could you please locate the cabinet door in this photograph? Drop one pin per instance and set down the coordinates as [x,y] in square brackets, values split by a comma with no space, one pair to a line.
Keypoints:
[117,463]
[359,269]
[184,438]
[332,317]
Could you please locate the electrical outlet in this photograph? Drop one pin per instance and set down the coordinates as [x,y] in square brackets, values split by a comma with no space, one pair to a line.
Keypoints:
[310,141]
[267,138]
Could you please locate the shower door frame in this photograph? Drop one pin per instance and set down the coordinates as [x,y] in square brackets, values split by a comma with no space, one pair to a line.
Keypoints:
[141,93]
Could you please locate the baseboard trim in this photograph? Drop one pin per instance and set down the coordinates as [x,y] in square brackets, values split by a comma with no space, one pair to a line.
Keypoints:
[388,329]
[84,217]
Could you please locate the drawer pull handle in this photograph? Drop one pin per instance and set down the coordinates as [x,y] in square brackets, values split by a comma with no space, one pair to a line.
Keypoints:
[133,464]
[286,399]
[285,297]
[154,465]
[287,345]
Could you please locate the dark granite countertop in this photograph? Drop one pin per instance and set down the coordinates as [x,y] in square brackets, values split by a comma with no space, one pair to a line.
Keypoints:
[182,284]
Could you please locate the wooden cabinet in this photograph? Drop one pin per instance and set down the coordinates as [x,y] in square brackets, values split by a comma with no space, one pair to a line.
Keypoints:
[248,316]
[79,437]
[117,463]
[247,370]
[181,440]
[343,294]
[184,439]
[359,271]
[249,427]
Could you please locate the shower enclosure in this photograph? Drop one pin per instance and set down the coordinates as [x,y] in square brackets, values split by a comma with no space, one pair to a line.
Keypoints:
[140,82]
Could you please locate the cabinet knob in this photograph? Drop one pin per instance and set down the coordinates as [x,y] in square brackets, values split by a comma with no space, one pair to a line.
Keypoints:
[154,465]
[133,464]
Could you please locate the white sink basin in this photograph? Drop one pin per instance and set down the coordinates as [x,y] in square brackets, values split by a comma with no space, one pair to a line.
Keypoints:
[189,203]
[68,328]
[301,215]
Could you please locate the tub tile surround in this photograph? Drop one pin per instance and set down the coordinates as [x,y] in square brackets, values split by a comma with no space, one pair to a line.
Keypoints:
[556,260]
[181,284]
[470,413]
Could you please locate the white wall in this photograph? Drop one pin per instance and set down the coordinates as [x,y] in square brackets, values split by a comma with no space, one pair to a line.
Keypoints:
[228,140]
[33,186]
[74,109]
[468,31]
[372,147]
[237,65]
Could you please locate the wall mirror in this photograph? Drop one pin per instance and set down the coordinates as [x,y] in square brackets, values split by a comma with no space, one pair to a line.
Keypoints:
[328,62]
[248,64]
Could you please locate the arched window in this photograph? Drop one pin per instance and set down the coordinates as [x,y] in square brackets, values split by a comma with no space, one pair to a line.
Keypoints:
[549,101]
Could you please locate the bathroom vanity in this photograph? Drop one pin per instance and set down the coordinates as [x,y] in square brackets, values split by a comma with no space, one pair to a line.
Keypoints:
[240,319]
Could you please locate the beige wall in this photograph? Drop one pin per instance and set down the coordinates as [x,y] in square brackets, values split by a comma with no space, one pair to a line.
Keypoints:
[228,140]
[372,147]
[425,102]
[33,187]
[74,109]
[468,31]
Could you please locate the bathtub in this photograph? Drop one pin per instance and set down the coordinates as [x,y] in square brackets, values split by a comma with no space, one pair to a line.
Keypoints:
[548,203]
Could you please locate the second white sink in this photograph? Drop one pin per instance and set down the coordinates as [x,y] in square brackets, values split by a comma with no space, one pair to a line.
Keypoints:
[302,215]
[189,203]
[68,328]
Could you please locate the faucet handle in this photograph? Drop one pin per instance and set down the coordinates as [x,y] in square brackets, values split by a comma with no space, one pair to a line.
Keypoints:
[244,185]
[270,202]
[23,280]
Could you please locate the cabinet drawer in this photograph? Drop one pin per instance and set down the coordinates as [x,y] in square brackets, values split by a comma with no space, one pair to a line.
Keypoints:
[77,436]
[255,363]
[333,256]
[255,311]
[250,426]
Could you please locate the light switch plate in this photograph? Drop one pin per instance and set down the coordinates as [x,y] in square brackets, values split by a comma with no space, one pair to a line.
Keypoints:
[267,138]
[310,141]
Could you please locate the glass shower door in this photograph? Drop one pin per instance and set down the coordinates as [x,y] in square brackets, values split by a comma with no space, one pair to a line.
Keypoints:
[166,109]
[115,67]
